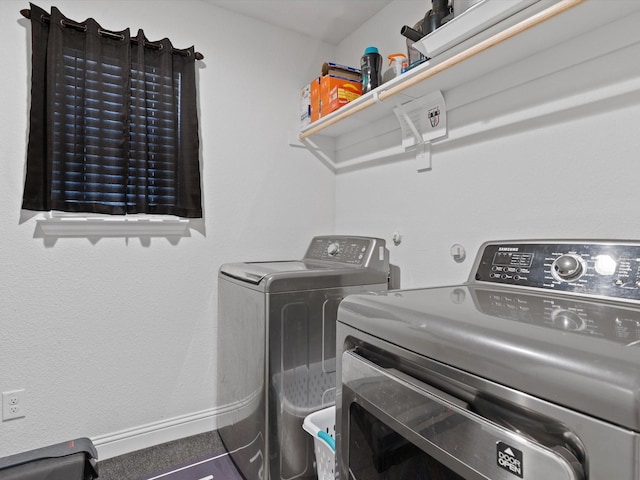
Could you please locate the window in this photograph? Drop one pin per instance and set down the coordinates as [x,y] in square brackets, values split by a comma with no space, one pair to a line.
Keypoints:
[113,125]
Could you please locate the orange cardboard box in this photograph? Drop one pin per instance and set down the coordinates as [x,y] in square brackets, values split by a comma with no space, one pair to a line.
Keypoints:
[336,92]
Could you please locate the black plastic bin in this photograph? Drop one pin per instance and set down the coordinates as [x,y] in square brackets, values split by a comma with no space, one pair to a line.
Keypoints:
[72,460]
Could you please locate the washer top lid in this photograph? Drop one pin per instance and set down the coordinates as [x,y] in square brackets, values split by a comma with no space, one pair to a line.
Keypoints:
[288,276]
[254,272]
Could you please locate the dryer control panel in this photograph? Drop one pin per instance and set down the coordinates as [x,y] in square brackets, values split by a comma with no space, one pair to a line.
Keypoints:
[590,268]
[360,251]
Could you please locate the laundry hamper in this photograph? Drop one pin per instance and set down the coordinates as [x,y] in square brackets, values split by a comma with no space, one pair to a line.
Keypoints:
[321,425]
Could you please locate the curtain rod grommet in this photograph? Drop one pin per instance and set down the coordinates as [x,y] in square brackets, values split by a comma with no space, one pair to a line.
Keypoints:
[69,24]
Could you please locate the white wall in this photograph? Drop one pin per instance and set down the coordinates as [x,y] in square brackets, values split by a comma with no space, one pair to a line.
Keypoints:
[568,175]
[115,339]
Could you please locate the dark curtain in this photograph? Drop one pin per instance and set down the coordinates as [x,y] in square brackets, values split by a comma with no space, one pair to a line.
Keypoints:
[113,123]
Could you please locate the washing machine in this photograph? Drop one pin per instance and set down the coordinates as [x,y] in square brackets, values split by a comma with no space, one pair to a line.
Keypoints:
[529,370]
[277,348]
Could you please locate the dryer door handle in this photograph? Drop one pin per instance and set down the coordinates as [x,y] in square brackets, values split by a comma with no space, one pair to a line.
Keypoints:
[442,427]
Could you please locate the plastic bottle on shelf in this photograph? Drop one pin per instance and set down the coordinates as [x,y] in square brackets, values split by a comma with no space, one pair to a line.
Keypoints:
[371,66]
[398,62]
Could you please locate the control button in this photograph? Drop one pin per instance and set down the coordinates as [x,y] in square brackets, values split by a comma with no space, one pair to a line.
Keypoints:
[333,249]
[605,265]
[568,268]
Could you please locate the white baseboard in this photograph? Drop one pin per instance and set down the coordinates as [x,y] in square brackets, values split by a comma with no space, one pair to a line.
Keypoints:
[130,440]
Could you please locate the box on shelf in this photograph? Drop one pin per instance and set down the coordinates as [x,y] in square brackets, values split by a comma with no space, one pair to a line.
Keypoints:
[344,71]
[314,88]
[336,92]
[338,85]
[305,106]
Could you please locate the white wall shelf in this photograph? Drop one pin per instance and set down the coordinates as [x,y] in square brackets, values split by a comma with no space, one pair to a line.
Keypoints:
[543,41]
[111,226]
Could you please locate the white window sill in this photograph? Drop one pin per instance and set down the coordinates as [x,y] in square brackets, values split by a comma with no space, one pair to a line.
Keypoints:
[57,224]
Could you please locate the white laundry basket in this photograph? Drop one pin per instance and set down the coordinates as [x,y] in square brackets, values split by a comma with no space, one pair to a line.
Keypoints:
[321,425]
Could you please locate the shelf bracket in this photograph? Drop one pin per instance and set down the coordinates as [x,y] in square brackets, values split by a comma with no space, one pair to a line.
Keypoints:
[422,121]
[323,149]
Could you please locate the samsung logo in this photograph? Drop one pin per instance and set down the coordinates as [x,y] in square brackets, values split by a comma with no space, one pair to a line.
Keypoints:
[508,249]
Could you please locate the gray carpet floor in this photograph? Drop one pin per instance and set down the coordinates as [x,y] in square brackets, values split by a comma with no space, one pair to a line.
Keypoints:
[167,457]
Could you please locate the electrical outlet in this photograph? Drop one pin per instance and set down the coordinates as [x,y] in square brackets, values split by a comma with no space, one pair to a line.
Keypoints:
[13,404]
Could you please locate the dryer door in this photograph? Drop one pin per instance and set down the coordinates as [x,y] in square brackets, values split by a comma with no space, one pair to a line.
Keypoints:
[401,428]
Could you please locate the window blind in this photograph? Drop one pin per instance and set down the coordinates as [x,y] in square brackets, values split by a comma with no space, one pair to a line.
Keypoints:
[119,125]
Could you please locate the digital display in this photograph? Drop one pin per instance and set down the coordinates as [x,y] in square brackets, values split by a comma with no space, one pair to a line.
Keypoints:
[514,259]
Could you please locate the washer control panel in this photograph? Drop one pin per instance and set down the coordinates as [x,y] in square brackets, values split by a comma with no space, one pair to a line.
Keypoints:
[589,268]
[350,250]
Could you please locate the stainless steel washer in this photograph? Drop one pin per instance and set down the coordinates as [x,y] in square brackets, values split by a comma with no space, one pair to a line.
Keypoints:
[529,370]
[277,348]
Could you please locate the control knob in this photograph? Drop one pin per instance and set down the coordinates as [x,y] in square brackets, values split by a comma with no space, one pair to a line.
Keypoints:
[333,249]
[568,267]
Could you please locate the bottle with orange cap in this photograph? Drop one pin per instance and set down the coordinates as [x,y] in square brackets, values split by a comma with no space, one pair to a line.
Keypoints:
[398,63]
